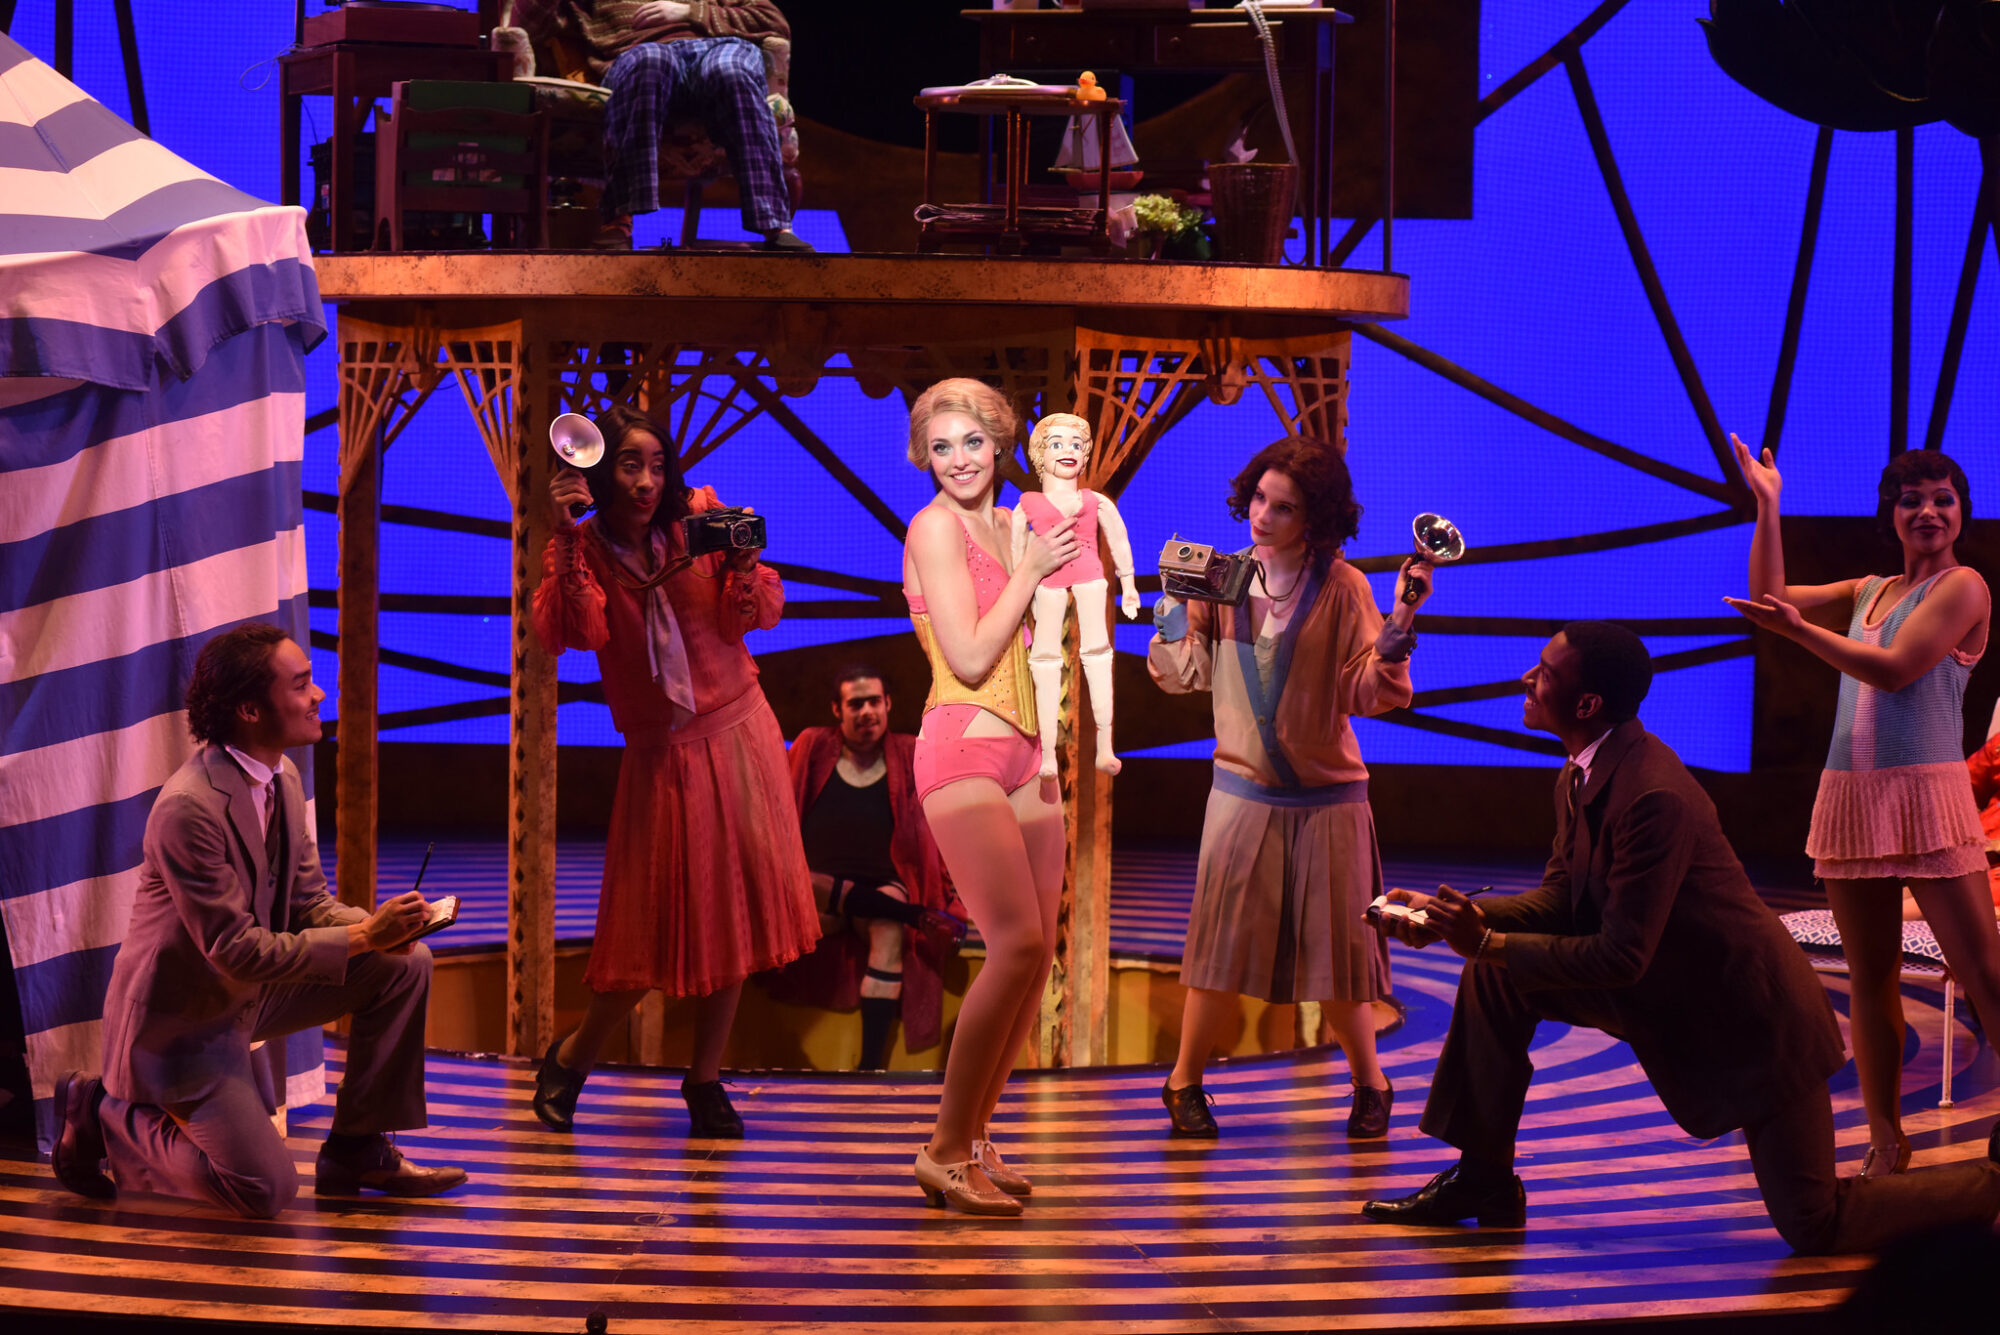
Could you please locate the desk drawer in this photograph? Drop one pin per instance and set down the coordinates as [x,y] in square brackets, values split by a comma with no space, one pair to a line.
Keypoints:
[1217,45]
[1082,45]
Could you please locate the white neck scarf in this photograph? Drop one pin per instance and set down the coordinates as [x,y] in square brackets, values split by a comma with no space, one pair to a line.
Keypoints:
[666,651]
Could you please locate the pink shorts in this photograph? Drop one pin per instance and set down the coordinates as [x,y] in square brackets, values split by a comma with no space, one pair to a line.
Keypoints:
[945,754]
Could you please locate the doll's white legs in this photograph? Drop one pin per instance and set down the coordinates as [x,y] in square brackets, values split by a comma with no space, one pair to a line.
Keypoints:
[1045,665]
[1093,634]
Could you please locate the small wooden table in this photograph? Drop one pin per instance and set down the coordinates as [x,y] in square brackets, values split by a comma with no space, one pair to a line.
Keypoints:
[1209,41]
[357,74]
[1008,226]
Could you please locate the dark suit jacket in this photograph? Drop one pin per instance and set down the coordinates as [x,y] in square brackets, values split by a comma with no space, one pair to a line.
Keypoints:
[1645,906]
[207,936]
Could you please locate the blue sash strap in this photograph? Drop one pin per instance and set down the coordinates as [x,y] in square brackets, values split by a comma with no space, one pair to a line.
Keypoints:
[1326,795]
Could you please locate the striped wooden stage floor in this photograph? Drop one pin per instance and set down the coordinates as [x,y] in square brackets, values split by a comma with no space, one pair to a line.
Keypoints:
[1151,888]
[814,1223]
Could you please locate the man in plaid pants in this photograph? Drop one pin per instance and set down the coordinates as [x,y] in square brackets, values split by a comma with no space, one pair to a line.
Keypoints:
[669,58]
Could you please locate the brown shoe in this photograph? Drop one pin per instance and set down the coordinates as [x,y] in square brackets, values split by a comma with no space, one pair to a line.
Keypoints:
[379,1166]
[1188,1108]
[1368,1119]
[77,1157]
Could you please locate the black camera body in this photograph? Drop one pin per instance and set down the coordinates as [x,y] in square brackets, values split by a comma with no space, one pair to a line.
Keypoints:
[729,530]
[1196,570]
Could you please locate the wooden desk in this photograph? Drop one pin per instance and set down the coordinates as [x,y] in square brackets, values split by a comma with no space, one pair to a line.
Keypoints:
[356,74]
[1200,41]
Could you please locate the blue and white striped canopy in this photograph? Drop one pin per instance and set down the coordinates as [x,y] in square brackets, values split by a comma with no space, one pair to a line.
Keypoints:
[153,326]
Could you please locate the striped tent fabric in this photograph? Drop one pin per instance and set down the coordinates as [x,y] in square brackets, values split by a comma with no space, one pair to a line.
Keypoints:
[153,327]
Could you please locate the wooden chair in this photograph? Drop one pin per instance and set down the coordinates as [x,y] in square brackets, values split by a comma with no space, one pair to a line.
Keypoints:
[472,148]
[687,154]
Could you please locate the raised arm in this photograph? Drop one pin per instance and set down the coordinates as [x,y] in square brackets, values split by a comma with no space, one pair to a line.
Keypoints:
[1956,605]
[1372,656]
[972,643]
[1826,604]
[1120,542]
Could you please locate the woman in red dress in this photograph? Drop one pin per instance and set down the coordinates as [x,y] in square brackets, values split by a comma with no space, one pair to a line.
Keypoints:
[705,878]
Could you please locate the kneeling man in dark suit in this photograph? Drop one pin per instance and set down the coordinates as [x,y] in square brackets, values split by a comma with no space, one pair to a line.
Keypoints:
[1645,927]
[234,939]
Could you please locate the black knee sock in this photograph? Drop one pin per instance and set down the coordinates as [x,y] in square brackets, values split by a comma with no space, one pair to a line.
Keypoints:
[340,1144]
[878,1019]
[863,900]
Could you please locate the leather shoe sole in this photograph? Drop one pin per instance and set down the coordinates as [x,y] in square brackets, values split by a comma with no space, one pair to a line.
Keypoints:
[1444,1203]
[406,1179]
[79,1141]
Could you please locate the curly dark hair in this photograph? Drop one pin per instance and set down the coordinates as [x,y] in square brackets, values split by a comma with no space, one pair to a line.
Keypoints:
[232,669]
[1921,466]
[859,672]
[617,423]
[1332,514]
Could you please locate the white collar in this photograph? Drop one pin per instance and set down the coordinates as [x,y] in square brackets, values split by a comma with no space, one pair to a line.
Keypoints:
[255,770]
[1583,758]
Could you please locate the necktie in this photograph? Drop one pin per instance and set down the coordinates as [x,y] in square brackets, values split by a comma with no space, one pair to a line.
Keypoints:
[274,848]
[1575,772]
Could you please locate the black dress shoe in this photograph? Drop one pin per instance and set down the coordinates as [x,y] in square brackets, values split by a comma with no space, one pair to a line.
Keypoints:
[710,1113]
[378,1166]
[1368,1119]
[556,1088]
[1446,1199]
[77,1156]
[1188,1106]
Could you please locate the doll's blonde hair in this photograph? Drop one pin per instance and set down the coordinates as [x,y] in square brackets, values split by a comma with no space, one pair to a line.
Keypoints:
[976,399]
[1038,439]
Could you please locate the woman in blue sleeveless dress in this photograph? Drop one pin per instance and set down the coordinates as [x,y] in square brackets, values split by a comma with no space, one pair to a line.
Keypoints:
[1895,805]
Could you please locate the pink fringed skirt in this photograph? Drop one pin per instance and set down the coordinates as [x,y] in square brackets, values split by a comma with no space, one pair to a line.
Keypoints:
[1909,822]
[705,879]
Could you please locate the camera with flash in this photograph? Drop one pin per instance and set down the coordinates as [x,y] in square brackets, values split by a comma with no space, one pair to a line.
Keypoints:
[1196,570]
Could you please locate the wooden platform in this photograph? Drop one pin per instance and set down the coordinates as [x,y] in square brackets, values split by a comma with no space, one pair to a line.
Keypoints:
[814,1223]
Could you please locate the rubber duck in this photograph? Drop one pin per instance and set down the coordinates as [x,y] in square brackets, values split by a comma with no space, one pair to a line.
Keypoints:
[1087,89]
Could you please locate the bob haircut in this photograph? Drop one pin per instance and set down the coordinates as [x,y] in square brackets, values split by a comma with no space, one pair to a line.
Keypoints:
[977,400]
[1332,514]
[1921,466]
[619,423]
[232,670]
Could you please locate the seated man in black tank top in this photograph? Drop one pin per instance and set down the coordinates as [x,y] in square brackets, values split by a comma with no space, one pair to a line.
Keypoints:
[874,868]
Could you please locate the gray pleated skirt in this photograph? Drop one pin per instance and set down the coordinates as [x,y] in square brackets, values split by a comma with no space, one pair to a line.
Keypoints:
[1278,900]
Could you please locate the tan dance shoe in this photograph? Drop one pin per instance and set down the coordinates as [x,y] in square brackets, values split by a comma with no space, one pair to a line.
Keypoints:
[948,1184]
[1010,1180]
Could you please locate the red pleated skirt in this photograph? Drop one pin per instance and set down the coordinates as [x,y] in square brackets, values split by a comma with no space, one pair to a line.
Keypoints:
[705,879]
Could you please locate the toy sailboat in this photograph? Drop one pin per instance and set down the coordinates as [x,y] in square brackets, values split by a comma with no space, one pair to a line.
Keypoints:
[1078,158]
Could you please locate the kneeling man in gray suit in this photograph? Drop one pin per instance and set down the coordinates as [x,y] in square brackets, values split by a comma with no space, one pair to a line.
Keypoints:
[234,939]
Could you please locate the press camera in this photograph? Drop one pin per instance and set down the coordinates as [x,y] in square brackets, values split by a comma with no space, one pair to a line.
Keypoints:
[730,530]
[1196,570]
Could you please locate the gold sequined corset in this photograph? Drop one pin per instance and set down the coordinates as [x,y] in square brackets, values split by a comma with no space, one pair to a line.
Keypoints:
[1005,691]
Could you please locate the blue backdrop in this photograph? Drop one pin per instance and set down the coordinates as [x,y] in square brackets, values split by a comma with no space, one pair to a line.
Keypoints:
[1537,294]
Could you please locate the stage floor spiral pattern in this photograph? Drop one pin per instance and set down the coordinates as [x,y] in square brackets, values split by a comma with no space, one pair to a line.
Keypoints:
[815,1223]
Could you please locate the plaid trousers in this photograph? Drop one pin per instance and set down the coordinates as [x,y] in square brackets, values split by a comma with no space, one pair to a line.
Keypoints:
[721,80]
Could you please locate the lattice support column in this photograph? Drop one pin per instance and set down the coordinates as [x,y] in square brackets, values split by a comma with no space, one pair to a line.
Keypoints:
[531,751]
[386,372]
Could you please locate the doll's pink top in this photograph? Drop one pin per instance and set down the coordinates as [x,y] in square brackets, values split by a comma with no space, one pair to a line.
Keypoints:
[1043,515]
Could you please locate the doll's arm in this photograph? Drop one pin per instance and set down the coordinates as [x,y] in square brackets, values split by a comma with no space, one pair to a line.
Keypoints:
[1018,536]
[1113,526]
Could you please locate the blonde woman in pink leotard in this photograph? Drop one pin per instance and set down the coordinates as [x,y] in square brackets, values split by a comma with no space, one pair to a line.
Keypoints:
[997,822]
